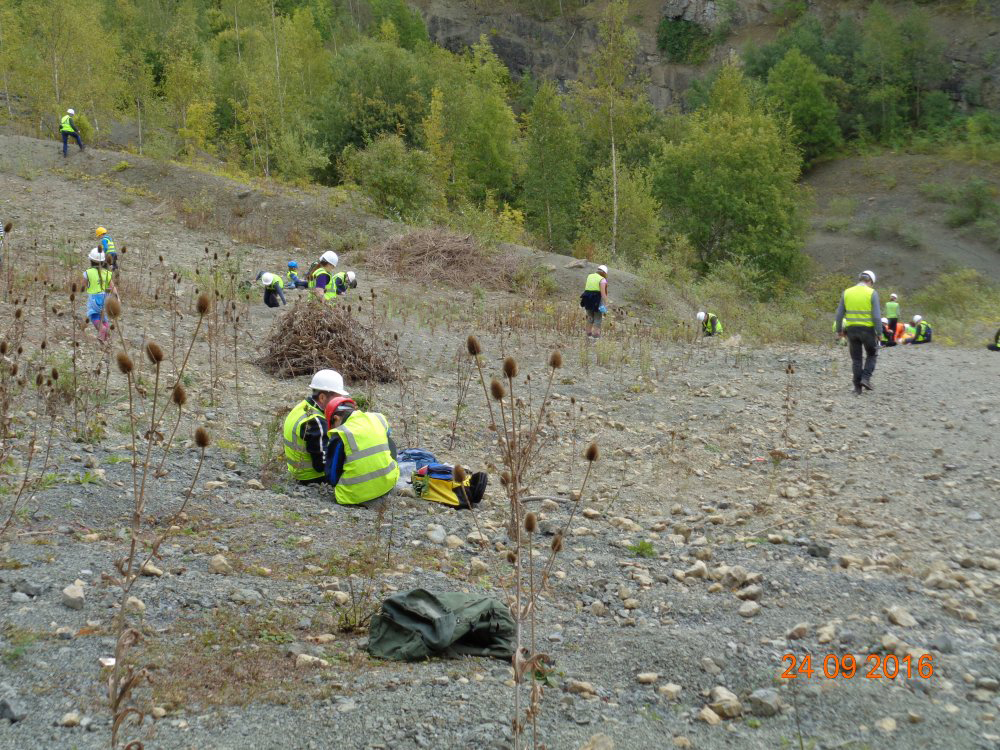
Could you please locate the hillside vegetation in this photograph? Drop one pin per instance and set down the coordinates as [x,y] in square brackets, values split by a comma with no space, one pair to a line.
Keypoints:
[355,94]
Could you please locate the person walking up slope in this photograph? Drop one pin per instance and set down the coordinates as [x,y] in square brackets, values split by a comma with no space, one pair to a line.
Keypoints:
[99,283]
[107,246]
[67,129]
[859,320]
[595,300]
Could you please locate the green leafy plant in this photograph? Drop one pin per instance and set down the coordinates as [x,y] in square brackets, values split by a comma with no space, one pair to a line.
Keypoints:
[683,41]
[642,548]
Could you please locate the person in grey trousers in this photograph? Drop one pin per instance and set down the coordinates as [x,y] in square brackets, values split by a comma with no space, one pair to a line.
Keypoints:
[859,318]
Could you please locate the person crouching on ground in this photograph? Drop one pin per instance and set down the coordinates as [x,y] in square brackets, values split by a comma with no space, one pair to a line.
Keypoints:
[99,283]
[859,319]
[710,324]
[595,300]
[306,443]
[921,331]
[362,462]
[273,286]
[995,346]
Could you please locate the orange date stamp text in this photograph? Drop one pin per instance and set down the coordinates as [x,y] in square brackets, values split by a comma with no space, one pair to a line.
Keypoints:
[847,666]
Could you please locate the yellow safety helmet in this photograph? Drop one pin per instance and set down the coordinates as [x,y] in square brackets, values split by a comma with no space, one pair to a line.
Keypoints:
[101,231]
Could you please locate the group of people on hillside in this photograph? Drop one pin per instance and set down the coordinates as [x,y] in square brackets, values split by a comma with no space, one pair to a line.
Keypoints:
[329,440]
[595,301]
[322,281]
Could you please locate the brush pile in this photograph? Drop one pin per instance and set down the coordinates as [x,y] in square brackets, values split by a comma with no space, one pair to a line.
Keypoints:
[312,335]
[442,257]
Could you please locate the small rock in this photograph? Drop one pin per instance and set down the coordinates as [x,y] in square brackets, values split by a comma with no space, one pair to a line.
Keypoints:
[765,702]
[683,743]
[579,687]
[135,605]
[750,593]
[477,537]
[886,725]
[436,533]
[453,542]
[72,596]
[899,616]
[11,708]
[647,678]
[151,570]
[819,549]
[254,484]
[20,598]
[71,719]
[799,631]
[305,661]
[478,567]
[598,609]
[219,564]
[724,702]
[340,598]
[158,712]
[599,742]
[749,609]
[671,691]
[709,716]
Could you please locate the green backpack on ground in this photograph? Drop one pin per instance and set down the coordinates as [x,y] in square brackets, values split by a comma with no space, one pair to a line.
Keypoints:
[416,624]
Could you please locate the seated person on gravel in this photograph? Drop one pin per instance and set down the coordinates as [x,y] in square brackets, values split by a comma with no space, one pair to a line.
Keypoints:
[362,458]
[306,444]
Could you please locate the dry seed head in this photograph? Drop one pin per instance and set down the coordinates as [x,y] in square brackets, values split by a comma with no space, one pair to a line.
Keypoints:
[472,344]
[18,313]
[531,523]
[124,363]
[458,474]
[72,296]
[154,352]
[3,348]
[204,304]
[55,374]
[38,380]
[555,360]
[497,390]
[504,478]
[557,543]
[201,438]
[179,395]
[510,367]
[511,556]
[114,308]
[591,454]
[13,370]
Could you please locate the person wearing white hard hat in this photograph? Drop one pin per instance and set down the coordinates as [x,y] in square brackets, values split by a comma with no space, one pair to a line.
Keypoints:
[595,300]
[97,283]
[321,277]
[345,280]
[892,310]
[68,130]
[273,289]
[859,319]
[710,324]
[306,442]
[922,331]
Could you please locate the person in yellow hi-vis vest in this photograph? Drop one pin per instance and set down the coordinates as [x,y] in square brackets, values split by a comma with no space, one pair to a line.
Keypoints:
[67,129]
[98,283]
[859,319]
[306,444]
[362,464]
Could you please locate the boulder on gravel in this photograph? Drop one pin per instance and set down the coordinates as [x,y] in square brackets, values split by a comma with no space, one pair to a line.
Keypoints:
[11,707]
[72,596]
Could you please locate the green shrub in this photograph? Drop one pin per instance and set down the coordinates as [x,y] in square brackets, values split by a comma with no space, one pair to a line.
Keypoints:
[972,202]
[683,41]
[397,179]
[84,128]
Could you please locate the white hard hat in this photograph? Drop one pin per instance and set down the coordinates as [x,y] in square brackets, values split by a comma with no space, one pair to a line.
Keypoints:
[701,317]
[892,296]
[869,274]
[330,257]
[70,112]
[917,318]
[351,277]
[602,269]
[885,320]
[328,380]
[96,255]
[266,279]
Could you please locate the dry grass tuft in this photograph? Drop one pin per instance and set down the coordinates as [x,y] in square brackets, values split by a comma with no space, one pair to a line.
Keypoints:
[313,335]
[443,257]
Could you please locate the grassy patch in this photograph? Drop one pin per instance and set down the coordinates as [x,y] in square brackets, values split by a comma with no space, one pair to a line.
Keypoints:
[18,640]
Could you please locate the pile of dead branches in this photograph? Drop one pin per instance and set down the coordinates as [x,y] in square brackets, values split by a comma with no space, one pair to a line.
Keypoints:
[435,255]
[312,335]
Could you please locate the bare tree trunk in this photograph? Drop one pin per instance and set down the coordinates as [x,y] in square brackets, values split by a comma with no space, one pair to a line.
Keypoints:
[236,19]
[138,118]
[614,182]
[6,83]
[55,77]
[548,219]
[277,63]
